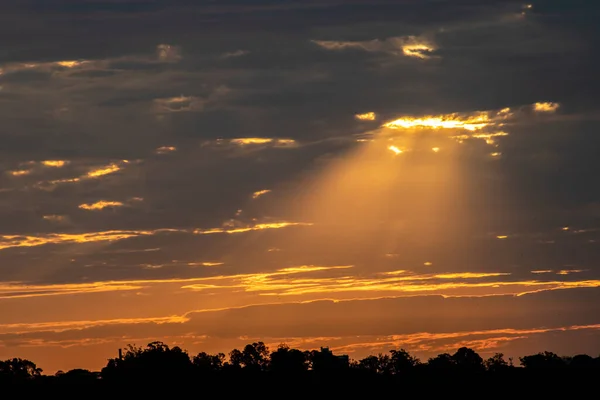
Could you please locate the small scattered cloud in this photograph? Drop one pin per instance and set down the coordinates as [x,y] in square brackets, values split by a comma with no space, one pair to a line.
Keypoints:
[239,228]
[168,53]
[12,241]
[408,46]
[260,193]
[20,172]
[256,140]
[165,149]
[97,172]
[54,163]
[55,218]
[546,107]
[179,104]
[368,116]
[101,205]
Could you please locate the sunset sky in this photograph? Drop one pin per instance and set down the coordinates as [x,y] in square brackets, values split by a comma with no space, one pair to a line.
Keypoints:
[364,175]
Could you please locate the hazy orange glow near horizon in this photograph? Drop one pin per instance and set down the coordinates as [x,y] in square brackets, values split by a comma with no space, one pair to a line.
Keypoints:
[410,185]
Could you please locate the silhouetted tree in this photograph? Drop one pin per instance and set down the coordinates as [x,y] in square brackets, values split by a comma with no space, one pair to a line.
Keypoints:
[496,363]
[543,360]
[208,362]
[442,361]
[158,366]
[379,364]
[582,361]
[236,359]
[78,376]
[18,369]
[466,359]
[401,361]
[286,360]
[155,361]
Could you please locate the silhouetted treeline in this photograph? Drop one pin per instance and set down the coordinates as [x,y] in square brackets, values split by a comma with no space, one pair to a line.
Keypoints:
[158,365]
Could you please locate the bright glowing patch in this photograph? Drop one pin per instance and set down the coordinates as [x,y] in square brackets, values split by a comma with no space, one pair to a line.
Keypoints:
[460,126]
[258,141]
[435,149]
[417,50]
[54,163]
[252,140]
[447,121]
[20,172]
[208,264]
[109,169]
[547,107]
[395,149]
[100,205]
[257,227]
[70,64]
[369,116]
[502,237]
[259,193]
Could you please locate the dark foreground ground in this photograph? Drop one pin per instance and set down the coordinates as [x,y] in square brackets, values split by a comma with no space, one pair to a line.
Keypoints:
[516,384]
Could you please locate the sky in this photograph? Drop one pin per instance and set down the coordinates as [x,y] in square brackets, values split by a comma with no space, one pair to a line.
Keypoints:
[363,175]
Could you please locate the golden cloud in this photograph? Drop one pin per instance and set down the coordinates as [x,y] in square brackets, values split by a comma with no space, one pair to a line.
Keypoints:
[460,126]
[408,46]
[392,282]
[369,116]
[274,141]
[54,163]
[20,172]
[260,193]
[94,173]
[9,241]
[546,107]
[62,326]
[100,205]
[257,227]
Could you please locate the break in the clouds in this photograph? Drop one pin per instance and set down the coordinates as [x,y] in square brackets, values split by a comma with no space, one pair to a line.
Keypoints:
[362,175]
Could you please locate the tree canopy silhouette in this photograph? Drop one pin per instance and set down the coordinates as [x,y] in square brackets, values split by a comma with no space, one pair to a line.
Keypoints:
[255,364]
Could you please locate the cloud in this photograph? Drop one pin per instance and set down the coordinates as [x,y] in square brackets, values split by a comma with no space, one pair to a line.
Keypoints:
[179,104]
[428,326]
[546,107]
[237,228]
[260,193]
[9,241]
[100,205]
[368,116]
[166,149]
[408,46]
